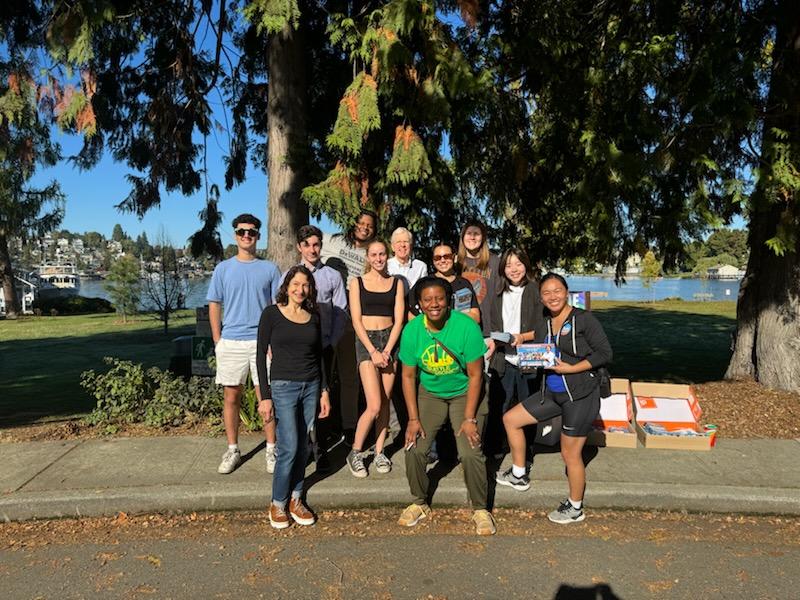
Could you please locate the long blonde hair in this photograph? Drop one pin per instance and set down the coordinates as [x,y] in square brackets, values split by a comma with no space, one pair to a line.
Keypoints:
[483,254]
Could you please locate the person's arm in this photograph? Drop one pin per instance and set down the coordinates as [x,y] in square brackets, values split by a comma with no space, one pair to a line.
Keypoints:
[262,347]
[469,426]
[338,310]
[397,326]
[600,350]
[324,395]
[215,321]
[601,353]
[358,326]
[275,283]
[414,427]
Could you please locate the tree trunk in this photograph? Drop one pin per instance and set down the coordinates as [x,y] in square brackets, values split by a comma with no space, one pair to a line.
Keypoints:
[287,144]
[9,281]
[767,342]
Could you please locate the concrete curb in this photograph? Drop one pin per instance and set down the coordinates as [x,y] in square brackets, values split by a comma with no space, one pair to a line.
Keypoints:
[542,496]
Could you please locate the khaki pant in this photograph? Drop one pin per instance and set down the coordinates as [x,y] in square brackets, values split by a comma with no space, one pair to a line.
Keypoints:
[433,413]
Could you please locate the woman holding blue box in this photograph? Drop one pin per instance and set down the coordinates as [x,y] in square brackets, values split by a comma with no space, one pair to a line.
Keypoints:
[570,389]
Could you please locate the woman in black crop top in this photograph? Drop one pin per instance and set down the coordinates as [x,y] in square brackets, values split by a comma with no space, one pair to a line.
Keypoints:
[377,308]
[296,381]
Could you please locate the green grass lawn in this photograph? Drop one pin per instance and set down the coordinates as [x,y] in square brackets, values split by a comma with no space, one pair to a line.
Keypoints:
[682,342]
[41,358]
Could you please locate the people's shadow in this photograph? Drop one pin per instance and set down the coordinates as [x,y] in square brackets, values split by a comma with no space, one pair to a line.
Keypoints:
[601,591]
[335,460]
[253,452]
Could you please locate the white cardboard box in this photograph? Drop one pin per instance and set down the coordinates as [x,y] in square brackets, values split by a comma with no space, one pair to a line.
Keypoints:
[615,411]
[673,406]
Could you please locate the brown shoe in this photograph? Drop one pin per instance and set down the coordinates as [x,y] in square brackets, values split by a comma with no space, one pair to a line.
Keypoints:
[300,512]
[278,517]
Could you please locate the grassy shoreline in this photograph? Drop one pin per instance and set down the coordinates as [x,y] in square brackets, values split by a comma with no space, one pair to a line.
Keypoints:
[41,358]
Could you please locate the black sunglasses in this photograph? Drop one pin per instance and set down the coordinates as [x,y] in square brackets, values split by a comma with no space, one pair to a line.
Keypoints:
[242,232]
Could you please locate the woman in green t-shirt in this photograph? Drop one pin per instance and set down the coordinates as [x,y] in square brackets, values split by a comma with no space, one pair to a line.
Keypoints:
[446,349]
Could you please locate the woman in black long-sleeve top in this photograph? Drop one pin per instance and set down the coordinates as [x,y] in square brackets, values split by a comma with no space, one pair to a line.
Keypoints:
[571,389]
[290,328]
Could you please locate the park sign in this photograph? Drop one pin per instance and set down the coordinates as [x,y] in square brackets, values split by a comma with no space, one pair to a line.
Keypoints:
[202,350]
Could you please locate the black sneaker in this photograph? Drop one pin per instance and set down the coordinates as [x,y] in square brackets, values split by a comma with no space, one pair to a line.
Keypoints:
[566,513]
[507,477]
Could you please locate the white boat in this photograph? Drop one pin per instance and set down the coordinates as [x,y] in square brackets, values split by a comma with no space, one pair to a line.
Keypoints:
[58,279]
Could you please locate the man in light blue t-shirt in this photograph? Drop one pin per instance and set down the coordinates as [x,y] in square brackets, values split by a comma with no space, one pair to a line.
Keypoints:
[243,285]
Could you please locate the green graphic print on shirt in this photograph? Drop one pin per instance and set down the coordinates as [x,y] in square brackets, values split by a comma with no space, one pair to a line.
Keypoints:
[441,375]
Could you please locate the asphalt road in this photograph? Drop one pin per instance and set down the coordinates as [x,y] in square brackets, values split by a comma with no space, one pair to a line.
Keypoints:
[363,554]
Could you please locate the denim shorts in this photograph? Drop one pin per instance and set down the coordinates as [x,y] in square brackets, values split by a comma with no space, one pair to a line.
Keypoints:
[379,339]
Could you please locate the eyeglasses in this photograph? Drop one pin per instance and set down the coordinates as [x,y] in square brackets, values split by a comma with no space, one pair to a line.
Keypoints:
[243,232]
[438,257]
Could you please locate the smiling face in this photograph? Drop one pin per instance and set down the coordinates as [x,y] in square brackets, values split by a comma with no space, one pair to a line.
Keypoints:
[443,259]
[515,271]
[298,288]
[554,295]
[376,256]
[246,236]
[433,302]
[401,246]
[473,238]
[364,229]
[310,249]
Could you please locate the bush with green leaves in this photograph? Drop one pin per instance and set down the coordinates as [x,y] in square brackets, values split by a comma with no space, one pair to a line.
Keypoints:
[128,393]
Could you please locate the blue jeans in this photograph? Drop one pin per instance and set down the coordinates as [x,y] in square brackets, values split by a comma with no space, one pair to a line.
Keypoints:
[295,404]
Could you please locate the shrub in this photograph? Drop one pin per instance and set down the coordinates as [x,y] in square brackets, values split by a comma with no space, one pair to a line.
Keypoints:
[127,393]
[72,305]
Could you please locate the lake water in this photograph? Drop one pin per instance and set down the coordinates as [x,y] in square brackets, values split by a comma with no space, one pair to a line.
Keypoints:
[633,289]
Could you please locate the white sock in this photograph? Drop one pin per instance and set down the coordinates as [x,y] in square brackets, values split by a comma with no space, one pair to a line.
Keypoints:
[576,504]
[233,447]
[270,446]
[517,471]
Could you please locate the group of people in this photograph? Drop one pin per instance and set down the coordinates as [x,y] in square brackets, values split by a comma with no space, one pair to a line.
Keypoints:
[361,311]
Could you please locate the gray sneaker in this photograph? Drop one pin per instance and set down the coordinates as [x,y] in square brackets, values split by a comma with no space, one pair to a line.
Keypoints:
[508,478]
[566,513]
[230,460]
[382,463]
[271,459]
[355,462]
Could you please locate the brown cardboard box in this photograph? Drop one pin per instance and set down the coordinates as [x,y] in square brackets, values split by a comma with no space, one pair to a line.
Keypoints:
[615,411]
[673,406]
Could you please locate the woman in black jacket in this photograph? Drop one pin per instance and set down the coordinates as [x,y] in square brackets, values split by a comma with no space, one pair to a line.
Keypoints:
[571,389]
[516,309]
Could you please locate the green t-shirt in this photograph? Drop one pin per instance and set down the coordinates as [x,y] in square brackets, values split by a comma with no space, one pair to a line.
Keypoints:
[439,373]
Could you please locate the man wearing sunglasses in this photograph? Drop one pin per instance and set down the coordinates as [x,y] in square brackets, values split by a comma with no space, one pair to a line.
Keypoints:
[243,286]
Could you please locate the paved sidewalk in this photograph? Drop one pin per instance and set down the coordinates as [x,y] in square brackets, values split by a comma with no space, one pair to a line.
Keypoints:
[179,474]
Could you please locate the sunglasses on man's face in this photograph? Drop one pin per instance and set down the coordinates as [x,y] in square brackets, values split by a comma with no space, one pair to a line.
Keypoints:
[242,232]
[438,257]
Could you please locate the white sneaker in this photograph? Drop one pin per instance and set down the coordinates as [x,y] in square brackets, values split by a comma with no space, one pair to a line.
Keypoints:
[271,459]
[230,460]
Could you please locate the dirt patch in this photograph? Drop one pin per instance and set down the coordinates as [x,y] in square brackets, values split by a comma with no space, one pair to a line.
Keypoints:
[741,409]
[76,429]
[623,526]
[745,409]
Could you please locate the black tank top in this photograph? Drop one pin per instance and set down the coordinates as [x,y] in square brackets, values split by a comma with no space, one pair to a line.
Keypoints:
[377,304]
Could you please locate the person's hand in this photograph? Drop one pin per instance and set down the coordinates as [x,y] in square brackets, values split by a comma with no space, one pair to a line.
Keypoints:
[387,356]
[378,359]
[324,404]
[266,410]
[413,431]
[470,431]
[490,344]
[516,340]
[561,368]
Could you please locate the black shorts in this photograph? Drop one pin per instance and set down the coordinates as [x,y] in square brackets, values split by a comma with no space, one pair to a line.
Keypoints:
[576,416]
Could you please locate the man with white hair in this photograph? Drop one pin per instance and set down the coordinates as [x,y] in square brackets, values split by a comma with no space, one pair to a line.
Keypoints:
[401,264]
